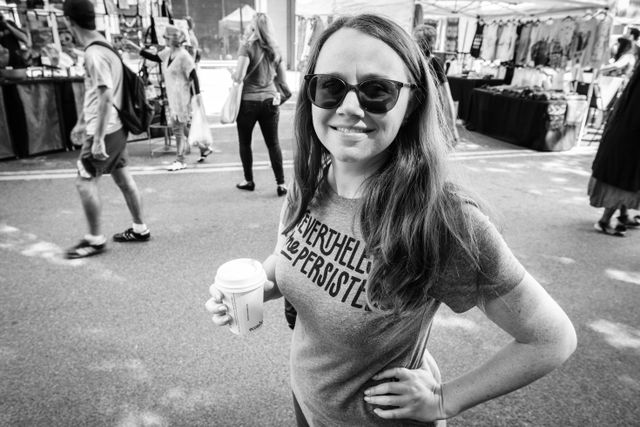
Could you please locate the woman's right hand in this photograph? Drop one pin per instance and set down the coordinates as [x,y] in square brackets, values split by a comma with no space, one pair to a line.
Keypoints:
[217,308]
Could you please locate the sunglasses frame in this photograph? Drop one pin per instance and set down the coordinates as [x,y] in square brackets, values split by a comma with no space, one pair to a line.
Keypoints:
[356,87]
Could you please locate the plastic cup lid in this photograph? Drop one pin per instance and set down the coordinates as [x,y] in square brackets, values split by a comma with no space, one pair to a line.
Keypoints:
[240,275]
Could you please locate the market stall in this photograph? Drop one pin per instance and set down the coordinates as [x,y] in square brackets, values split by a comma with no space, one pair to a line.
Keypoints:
[43,112]
[462,88]
[39,104]
[543,121]
[546,48]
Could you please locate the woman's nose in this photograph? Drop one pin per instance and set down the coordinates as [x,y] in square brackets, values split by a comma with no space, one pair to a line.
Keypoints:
[350,105]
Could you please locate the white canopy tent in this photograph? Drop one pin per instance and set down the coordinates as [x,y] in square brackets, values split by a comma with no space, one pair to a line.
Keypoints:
[490,9]
[401,11]
[237,20]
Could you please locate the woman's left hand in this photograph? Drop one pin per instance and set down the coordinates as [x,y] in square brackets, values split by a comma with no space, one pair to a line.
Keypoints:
[416,395]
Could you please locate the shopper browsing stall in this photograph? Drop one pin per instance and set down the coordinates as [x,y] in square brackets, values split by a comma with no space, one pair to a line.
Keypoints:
[179,72]
[10,38]
[623,61]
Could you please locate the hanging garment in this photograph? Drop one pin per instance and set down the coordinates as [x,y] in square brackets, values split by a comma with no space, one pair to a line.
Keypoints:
[506,42]
[560,42]
[582,44]
[490,38]
[522,45]
[600,52]
[466,31]
[476,44]
[451,43]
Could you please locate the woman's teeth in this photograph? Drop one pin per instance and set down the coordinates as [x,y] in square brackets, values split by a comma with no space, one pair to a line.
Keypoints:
[350,130]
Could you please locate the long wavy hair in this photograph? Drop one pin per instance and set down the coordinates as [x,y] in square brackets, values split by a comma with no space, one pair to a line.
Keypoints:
[412,217]
[264,35]
[624,46]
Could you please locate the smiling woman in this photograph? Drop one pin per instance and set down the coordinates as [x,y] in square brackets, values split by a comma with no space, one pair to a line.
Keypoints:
[375,235]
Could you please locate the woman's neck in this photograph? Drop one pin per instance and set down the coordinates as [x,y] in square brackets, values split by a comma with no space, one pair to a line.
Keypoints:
[347,179]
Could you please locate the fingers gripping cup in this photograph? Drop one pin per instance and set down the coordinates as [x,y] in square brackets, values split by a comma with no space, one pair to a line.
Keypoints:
[241,282]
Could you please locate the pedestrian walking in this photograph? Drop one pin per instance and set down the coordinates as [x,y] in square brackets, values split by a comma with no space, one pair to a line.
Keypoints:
[180,76]
[615,178]
[259,63]
[99,130]
[375,235]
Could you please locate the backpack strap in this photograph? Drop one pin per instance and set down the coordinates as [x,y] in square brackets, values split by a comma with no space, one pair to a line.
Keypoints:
[104,44]
[108,46]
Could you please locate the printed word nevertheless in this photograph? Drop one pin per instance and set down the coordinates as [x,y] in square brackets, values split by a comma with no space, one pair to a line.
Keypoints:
[334,261]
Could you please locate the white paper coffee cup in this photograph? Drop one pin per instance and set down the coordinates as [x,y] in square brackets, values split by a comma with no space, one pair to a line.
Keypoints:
[241,282]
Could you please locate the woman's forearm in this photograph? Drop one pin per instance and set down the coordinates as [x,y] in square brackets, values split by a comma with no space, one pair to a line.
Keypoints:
[513,367]
[150,56]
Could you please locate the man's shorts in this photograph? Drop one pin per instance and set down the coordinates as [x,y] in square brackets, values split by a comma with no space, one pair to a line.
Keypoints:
[116,146]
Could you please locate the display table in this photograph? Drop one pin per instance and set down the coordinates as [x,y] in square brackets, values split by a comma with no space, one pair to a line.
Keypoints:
[461,89]
[543,125]
[38,115]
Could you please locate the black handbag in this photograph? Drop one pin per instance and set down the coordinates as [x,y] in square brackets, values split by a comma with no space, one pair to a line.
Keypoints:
[283,89]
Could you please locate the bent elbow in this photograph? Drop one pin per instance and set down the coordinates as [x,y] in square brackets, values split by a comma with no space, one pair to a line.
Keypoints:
[570,340]
[564,345]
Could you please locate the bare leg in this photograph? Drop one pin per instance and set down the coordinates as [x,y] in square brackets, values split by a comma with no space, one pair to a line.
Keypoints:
[623,211]
[124,180]
[178,132]
[606,215]
[91,203]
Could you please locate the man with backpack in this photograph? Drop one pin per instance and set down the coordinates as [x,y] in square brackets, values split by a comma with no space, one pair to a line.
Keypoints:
[101,133]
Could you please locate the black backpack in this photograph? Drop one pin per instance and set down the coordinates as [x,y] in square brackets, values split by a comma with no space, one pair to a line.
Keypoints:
[136,112]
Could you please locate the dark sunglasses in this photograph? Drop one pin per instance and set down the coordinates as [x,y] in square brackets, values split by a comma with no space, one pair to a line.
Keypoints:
[375,95]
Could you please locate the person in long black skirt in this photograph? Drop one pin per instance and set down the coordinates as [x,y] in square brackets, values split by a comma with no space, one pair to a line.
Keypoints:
[615,178]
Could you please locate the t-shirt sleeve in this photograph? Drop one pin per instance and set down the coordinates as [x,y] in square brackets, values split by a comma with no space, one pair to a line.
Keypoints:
[244,51]
[99,69]
[464,286]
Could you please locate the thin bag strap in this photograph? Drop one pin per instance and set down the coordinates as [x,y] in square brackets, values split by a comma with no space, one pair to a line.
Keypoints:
[111,48]
[255,67]
[107,45]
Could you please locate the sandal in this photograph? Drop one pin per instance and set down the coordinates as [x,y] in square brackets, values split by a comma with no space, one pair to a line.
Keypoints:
[85,249]
[629,222]
[605,228]
[204,155]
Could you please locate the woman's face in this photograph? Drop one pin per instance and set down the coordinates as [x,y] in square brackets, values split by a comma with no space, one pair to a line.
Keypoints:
[350,134]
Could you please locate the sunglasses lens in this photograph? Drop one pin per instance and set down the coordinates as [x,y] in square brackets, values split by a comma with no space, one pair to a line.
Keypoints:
[326,91]
[375,96]
[378,96]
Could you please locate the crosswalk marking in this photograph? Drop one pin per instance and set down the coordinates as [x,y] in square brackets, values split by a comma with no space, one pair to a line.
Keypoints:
[459,156]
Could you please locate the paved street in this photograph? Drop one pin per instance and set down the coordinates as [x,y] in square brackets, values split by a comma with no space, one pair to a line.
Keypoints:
[123,339]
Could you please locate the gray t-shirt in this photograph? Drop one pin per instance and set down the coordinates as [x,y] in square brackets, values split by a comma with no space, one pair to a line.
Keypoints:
[338,343]
[103,68]
[258,83]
